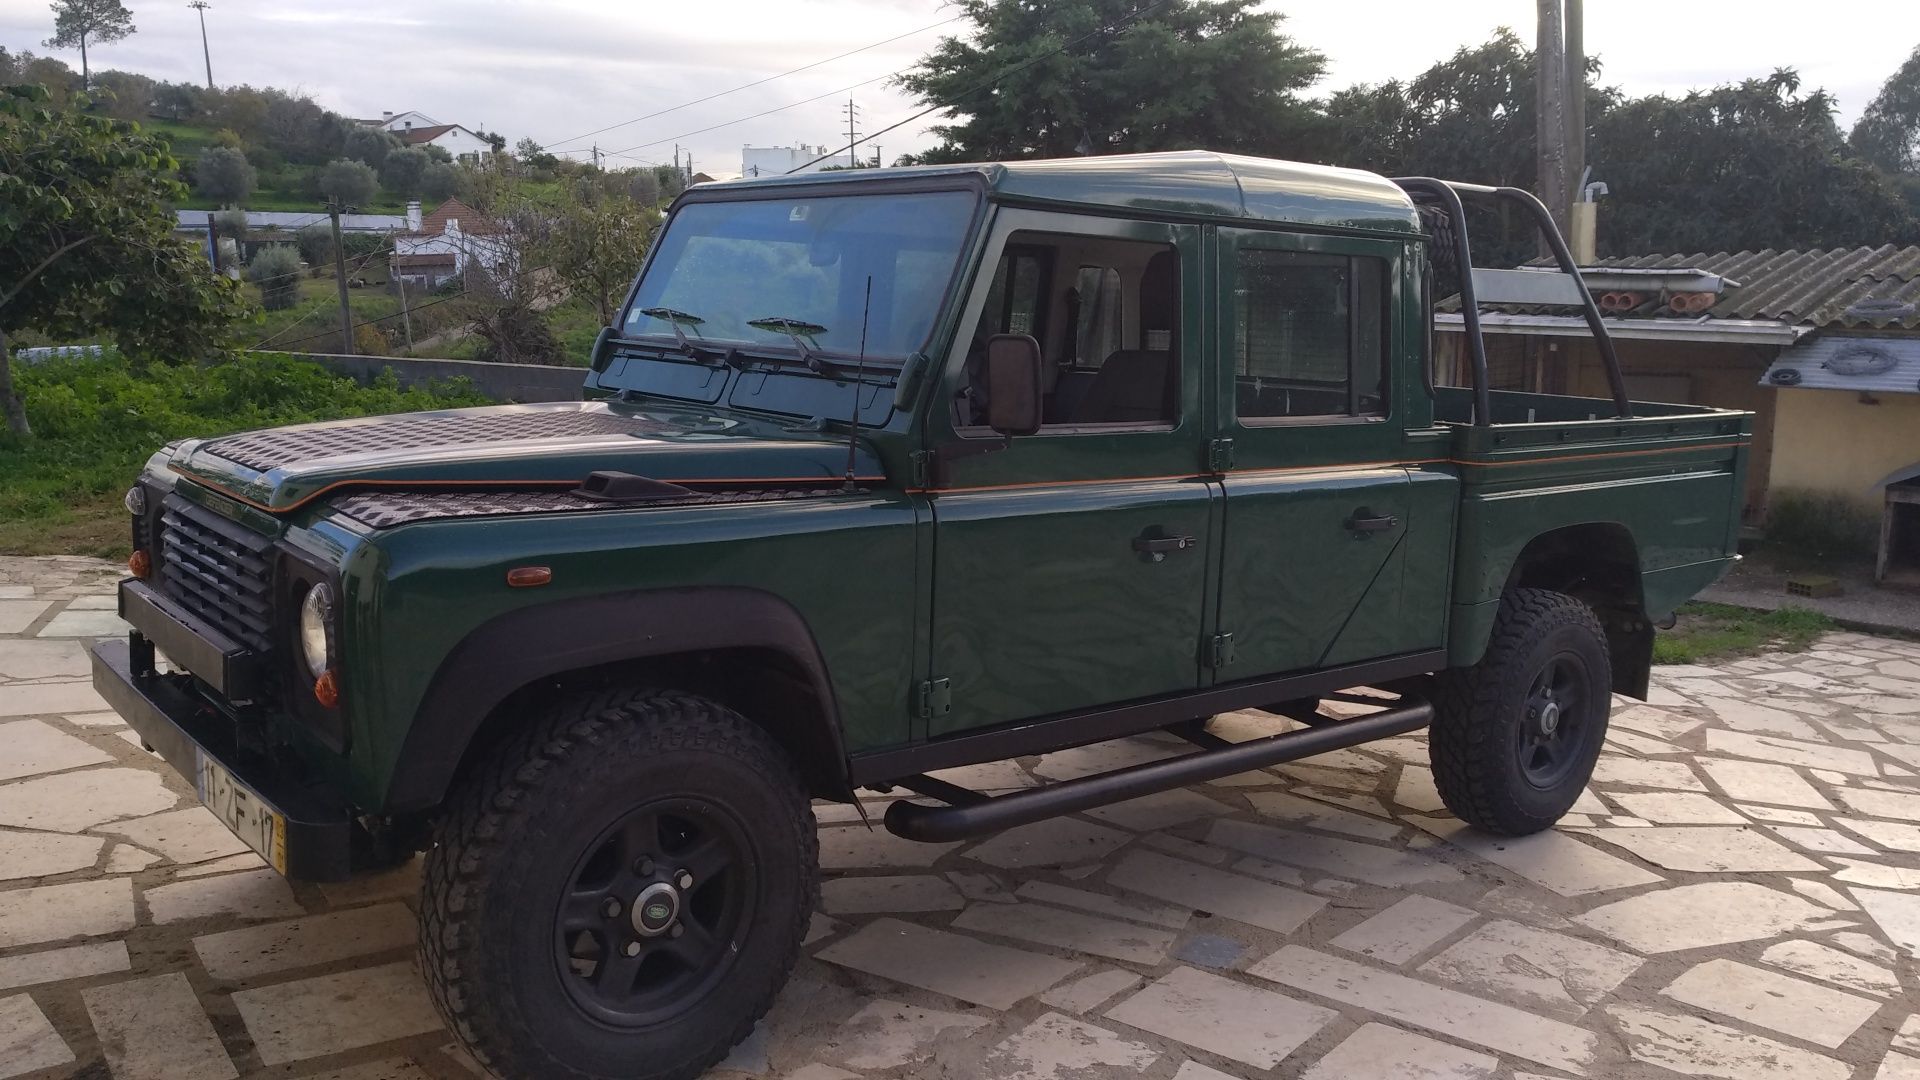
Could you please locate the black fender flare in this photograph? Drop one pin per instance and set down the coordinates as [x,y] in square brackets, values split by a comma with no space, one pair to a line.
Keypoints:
[520,647]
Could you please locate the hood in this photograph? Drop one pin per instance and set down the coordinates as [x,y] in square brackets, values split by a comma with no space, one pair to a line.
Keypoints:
[549,445]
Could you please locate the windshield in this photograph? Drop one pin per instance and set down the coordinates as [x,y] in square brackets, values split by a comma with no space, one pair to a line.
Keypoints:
[762,272]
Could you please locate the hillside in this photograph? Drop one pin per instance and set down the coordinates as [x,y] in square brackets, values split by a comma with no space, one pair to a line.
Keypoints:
[291,187]
[287,139]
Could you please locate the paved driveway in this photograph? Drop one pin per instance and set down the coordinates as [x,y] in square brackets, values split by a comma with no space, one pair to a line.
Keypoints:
[1738,896]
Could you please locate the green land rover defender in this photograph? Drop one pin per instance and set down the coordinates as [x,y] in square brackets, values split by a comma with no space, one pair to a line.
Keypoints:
[882,473]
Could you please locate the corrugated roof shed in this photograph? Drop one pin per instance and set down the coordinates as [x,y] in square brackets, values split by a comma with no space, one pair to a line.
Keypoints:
[1818,288]
[1843,362]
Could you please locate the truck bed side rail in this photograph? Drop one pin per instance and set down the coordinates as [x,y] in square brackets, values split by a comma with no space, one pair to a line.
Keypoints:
[1447,196]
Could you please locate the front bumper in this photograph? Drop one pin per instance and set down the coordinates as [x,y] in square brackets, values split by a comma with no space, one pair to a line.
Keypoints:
[187,732]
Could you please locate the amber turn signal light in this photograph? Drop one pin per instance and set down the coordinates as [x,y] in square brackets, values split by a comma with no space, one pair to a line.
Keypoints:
[138,564]
[326,689]
[521,577]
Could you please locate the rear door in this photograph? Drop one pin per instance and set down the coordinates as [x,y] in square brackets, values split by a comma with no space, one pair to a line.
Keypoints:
[1317,498]
[1071,565]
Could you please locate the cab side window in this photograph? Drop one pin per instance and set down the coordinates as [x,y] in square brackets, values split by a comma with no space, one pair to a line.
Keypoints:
[1309,335]
[1106,315]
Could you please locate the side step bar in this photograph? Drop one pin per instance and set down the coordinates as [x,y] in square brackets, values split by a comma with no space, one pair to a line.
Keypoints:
[970,814]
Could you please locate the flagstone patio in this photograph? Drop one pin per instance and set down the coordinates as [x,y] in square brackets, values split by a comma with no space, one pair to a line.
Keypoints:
[1737,896]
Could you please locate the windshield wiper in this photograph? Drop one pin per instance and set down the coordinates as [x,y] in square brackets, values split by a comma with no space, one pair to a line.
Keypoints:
[674,318]
[798,331]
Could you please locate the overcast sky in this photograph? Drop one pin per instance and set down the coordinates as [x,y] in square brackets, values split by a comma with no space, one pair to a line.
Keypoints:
[558,69]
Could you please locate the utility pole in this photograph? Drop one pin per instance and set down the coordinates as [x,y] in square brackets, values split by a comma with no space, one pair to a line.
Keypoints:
[596,156]
[340,279]
[406,319]
[1576,63]
[1550,122]
[206,54]
[853,136]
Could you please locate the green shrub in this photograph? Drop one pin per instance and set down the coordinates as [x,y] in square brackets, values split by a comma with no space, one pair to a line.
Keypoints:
[1823,526]
[361,245]
[276,270]
[97,419]
[316,245]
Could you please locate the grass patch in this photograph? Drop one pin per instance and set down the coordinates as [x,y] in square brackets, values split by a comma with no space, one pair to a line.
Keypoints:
[96,421]
[1716,632]
[313,324]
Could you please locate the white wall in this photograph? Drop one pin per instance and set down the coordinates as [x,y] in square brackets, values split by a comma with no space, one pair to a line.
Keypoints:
[400,121]
[779,160]
[463,143]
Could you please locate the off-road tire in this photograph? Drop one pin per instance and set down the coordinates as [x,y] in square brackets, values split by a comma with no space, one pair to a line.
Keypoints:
[523,813]
[1479,713]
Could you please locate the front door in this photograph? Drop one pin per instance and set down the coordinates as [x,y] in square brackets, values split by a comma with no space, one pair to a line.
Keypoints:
[1071,567]
[1317,500]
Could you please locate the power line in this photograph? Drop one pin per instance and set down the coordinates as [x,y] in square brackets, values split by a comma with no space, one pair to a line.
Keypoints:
[417,307]
[990,83]
[759,82]
[758,115]
[317,308]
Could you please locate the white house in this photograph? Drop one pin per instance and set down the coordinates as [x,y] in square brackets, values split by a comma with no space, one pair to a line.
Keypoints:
[448,241]
[780,160]
[397,122]
[416,128]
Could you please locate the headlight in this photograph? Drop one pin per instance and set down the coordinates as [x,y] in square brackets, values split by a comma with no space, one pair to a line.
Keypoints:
[316,618]
[136,501]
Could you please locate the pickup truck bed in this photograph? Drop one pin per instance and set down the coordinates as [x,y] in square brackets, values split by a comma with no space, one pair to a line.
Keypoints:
[1667,475]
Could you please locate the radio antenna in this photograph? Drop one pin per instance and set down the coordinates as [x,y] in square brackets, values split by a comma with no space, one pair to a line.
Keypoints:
[859,380]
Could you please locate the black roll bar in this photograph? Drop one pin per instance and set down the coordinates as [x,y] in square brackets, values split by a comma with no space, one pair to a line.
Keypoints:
[1447,194]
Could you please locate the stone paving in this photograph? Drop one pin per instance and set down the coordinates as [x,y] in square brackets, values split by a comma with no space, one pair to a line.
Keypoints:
[1737,896]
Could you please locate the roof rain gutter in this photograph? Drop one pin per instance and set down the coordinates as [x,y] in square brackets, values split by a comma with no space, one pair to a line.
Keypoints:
[1703,329]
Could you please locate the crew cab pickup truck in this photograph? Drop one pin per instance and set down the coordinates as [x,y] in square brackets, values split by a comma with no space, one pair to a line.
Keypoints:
[882,473]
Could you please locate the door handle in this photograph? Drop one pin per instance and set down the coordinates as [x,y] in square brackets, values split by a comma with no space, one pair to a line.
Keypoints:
[1157,547]
[1365,521]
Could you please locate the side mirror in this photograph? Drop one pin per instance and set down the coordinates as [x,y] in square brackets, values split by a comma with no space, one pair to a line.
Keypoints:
[1015,384]
[602,353]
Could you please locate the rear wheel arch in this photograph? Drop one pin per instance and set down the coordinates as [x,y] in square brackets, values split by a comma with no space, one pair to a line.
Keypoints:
[1598,563]
[745,648]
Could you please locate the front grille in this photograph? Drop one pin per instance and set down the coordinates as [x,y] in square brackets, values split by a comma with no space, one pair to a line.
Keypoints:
[220,571]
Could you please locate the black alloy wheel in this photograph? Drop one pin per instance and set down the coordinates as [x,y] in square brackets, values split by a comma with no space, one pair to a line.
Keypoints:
[1552,734]
[654,911]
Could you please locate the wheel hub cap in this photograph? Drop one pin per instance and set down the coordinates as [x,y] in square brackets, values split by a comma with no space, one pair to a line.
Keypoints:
[655,909]
[1549,718]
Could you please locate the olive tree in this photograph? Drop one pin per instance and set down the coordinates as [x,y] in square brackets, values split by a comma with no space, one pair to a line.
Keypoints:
[224,175]
[404,170]
[440,181]
[349,183]
[276,272]
[87,245]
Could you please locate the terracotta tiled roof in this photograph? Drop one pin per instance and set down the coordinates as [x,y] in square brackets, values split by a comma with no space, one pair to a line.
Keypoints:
[415,136]
[472,222]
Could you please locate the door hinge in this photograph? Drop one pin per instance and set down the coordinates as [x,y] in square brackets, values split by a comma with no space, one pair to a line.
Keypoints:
[1220,455]
[1219,651]
[920,468]
[936,699]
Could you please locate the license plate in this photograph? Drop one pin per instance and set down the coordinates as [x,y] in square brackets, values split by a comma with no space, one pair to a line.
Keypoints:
[239,809]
